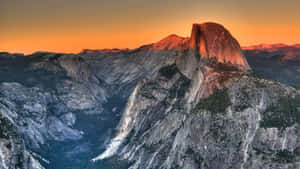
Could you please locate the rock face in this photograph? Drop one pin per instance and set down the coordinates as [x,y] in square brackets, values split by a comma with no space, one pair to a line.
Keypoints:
[13,154]
[213,41]
[201,112]
[209,47]
[241,126]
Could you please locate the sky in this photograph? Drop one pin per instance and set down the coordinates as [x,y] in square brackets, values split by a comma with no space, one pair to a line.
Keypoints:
[69,26]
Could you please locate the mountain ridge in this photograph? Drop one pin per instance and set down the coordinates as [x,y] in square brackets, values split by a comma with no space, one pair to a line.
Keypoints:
[269,47]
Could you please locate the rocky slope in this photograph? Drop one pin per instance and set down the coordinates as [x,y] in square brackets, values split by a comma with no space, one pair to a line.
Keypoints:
[13,154]
[200,112]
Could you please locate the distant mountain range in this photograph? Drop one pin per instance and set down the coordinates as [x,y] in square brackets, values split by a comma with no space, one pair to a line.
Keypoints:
[276,61]
[272,47]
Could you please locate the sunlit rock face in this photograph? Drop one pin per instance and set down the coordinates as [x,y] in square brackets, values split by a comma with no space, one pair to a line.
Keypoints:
[171,42]
[209,49]
[212,40]
[209,41]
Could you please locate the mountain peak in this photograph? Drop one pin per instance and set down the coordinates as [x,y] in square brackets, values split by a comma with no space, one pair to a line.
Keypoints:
[170,42]
[208,41]
[211,40]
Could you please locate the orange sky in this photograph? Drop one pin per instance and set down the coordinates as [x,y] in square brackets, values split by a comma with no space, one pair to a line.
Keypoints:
[72,25]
